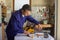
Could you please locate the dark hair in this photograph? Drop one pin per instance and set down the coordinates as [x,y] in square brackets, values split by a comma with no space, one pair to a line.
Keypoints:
[26,7]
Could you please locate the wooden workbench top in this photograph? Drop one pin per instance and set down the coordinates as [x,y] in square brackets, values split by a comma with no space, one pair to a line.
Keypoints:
[45,25]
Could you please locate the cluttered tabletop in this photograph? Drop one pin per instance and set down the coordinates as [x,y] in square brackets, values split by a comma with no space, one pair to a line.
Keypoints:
[35,36]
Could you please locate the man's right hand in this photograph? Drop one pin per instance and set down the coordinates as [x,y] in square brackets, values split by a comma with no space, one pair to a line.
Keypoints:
[26,32]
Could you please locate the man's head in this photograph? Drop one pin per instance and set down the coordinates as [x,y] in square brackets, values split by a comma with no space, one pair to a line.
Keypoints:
[26,9]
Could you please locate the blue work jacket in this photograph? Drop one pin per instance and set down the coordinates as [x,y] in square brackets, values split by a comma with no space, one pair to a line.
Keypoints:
[17,21]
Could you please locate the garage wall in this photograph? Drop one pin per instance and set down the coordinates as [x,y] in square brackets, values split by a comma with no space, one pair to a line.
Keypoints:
[41,2]
[58,27]
[0,22]
[0,33]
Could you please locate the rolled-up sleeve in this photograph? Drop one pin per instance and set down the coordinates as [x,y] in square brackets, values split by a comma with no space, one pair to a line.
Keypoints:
[31,19]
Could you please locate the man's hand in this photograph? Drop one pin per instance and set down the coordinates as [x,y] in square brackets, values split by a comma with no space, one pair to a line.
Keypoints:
[26,32]
[39,27]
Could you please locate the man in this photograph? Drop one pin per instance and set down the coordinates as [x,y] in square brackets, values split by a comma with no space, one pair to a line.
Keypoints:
[17,20]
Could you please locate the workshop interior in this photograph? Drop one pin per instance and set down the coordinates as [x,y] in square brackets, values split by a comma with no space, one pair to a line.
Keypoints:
[42,11]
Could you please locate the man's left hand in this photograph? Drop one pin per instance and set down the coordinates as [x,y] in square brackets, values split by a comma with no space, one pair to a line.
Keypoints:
[39,27]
